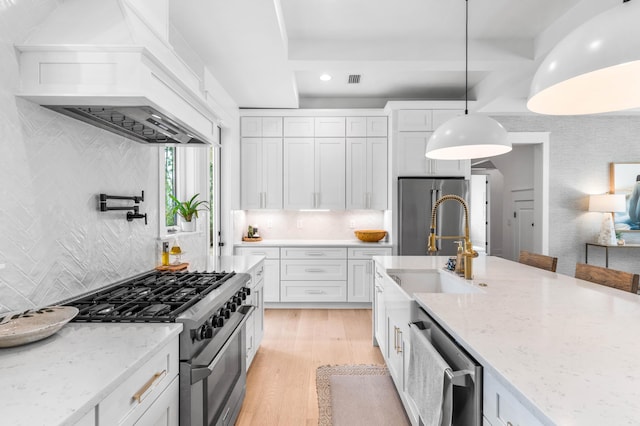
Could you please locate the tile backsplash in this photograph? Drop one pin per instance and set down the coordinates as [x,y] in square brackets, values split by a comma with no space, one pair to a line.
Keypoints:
[297,225]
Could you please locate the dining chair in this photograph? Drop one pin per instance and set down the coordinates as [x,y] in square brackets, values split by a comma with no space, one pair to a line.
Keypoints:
[538,260]
[610,277]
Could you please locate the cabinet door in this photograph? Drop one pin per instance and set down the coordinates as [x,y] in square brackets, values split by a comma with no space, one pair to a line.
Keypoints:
[395,348]
[299,164]
[379,314]
[271,127]
[250,172]
[442,115]
[299,127]
[164,410]
[377,127]
[251,127]
[356,126]
[258,326]
[377,173]
[357,169]
[450,167]
[272,173]
[271,292]
[411,150]
[359,281]
[414,120]
[330,173]
[329,127]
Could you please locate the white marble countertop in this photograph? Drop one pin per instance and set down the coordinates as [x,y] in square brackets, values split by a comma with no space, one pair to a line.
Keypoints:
[568,349]
[233,263]
[319,243]
[58,380]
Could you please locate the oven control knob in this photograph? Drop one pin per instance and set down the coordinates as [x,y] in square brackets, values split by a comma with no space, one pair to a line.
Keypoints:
[204,332]
[246,290]
[233,306]
[217,321]
[237,300]
[226,312]
[242,295]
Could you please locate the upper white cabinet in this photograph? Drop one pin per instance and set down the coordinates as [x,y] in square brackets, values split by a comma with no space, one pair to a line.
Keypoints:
[441,115]
[261,173]
[366,127]
[367,173]
[314,173]
[261,163]
[299,127]
[415,120]
[411,148]
[329,127]
[258,127]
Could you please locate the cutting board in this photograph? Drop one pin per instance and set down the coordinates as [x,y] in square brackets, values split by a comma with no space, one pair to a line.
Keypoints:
[173,268]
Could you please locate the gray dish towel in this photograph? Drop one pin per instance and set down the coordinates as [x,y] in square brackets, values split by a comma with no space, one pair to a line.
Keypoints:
[426,378]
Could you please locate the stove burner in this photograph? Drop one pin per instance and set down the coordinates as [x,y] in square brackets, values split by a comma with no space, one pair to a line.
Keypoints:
[136,292]
[154,310]
[182,294]
[102,309]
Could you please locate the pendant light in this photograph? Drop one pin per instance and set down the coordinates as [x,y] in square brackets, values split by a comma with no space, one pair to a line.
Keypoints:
[467,136]
[594,69]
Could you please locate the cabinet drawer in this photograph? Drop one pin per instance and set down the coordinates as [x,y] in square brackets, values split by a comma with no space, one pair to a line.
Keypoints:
[316,291]
[313,253]
[268,252]
[329,126]
[329,269]
[165,409]
[368,253]
[298,127]
[147,383]
[377,127]
[501,407]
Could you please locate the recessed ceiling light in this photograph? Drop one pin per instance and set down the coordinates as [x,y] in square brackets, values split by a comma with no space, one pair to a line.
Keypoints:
[325,77]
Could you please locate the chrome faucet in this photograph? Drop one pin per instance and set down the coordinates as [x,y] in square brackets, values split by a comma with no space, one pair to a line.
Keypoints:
[469,253]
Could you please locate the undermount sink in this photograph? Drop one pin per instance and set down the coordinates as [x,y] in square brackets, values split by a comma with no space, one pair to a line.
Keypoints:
[432,282]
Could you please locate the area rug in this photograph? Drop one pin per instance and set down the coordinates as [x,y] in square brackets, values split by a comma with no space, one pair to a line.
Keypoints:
[354,395]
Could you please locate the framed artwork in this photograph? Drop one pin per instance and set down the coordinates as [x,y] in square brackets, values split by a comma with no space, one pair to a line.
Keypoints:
[625,179]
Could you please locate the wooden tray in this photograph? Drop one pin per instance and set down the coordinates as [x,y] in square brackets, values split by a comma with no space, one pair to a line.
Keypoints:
[251,240]
[173,268]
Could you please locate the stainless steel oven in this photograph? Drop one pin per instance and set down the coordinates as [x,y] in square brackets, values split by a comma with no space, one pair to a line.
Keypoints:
[212,386]
[212,308]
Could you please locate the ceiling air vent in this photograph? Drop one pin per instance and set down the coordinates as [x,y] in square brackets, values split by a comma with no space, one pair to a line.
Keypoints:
[354,78]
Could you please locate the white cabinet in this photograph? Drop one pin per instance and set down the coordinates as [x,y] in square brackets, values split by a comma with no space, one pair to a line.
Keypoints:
[367,173]
[366,127]
[149,395]
[261,173]
[360,272]
[261,127]
[379,313]
[415,120]
[442,115]
[314,173]
[411,160]
[313,274]
[271,274]
[501,407]
[254,328]
[329,127]
[299,127]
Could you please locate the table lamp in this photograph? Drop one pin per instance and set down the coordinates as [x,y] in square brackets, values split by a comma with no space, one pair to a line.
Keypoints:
[607,204]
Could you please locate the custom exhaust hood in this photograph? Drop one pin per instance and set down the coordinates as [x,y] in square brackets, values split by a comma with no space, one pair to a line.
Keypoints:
[109,63]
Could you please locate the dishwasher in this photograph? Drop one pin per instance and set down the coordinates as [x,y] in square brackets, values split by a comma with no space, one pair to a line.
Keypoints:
[462,389]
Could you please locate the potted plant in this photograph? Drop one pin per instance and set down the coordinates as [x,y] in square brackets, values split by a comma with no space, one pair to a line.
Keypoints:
[188,211]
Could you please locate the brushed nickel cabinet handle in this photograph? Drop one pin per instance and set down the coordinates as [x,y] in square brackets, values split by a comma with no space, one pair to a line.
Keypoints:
[314,253]
[314,291]
[314,270]
[142,393]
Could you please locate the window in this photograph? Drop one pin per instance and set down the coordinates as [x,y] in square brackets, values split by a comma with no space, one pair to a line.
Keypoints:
[170,183]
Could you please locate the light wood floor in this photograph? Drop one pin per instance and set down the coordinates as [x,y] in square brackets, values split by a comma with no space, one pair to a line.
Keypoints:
[281,383]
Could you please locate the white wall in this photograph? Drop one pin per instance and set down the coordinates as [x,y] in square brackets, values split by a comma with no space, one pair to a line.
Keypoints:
[581,149]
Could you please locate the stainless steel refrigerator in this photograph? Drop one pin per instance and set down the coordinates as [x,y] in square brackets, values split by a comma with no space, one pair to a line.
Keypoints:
[416,197]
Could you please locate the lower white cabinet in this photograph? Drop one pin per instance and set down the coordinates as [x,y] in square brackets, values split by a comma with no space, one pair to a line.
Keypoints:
[501,407]
[271,275]
[360,272]
[254,327]
[149,395]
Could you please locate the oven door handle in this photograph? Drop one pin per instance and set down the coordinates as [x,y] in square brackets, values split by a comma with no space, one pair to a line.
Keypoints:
[201,372]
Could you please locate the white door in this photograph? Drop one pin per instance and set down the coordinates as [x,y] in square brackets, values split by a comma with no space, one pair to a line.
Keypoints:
[523,227]
[356,173]
[272,173]
[251,172]
[411,149]
[377,173]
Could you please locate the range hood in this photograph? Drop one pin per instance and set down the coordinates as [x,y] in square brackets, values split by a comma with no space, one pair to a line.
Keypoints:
[109,63]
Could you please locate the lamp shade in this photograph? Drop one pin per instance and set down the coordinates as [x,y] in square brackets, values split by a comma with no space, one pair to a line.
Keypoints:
[594,69]
[606,203]
[466,137]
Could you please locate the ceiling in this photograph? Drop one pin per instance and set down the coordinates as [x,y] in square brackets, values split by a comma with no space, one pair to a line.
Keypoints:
[270,53]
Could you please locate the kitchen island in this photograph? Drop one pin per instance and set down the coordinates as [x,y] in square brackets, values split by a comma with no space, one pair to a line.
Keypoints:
[565,349]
